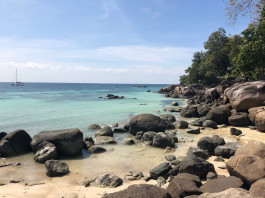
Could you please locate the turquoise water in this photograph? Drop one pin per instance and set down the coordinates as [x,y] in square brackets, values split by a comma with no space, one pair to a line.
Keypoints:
[35,107]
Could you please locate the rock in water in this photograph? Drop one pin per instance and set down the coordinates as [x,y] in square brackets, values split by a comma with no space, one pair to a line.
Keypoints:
[107,180]
[94,127]
[247,95]
[46,151]
[56,168]
[68,142]
[15,143]
[105,131]
[147,122]
[139,191]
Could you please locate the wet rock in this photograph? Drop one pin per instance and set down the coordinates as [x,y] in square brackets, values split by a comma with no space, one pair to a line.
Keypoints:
[170,157]
[111,96]
[194,131]
[229,193]
[258,188]
[160,170]
[196,165]
[182,124]
[227,150]
[210,143]
[174,103]
[252,148]
[146,122]
[250,168]
[68,142]
[94,127]
[120,130]
[88,142]
[199,152]
[247,95]
[15,143]
[45,151]
[104,140]
[219,114]
[182,188]
[56,168]
[107,180]
[139,191]
[239,119]
[105,131]
[191,177]
[209,124]
[235,131]
[168,117]
[163,140]
[221,184]
[133,176]
[96,149]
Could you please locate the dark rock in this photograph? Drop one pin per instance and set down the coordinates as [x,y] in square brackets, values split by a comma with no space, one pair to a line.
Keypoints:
[105,131]
[161,181]
[191,177]
[250,168]
[94,127]
[160,170]
[194,131]
[148,137]
[139,135]
[120,130]
[104,140]
[221,184]
[189,111]
[107,180]
[133,176]
[56,168]
[139,191]
[182,124]
[211,175]
[126,127]
[146,122]
[115,124]
[219,159]
[211,93]
[174,103]
[2,135]
[18,143]
[182,187]
[202,110]
[229,193]
[96,149]
[196,165]
[235,131]
[175,138]
[163,140]
[88,142]
[227,150]
[219,114]
[170,157]
[173,109]
[175,162]
[168,117]
[45,151]
[209,124]
[239,119]
[199,152]
[210,143]
[68,142]
[258,188]
[198,122]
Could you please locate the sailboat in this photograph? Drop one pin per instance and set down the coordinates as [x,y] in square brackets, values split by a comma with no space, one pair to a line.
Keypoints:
[17,83]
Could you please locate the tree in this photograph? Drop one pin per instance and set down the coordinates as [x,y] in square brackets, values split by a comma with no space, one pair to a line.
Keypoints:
[244,7]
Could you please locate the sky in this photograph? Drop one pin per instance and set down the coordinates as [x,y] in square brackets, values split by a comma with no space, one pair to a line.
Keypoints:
[106,41]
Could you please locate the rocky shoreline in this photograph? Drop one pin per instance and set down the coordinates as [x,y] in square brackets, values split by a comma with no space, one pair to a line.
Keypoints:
[196,174]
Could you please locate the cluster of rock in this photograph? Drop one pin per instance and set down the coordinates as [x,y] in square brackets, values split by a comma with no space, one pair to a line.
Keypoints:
[111,96]
[240,104]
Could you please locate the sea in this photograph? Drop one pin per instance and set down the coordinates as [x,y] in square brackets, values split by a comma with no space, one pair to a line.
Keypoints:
[37,107]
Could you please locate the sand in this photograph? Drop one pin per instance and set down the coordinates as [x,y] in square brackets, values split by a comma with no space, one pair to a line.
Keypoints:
[118,160]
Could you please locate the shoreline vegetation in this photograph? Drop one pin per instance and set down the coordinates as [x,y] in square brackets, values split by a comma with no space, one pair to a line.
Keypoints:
[217,148]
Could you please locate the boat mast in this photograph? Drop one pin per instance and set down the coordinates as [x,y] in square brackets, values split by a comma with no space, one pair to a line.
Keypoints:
[16,74]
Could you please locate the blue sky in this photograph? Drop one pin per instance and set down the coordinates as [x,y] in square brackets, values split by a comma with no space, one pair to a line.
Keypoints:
[106,41]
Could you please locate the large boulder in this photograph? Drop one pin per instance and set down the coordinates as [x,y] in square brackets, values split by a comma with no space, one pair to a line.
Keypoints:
[160,170]
[189,111]
[45,151]
[105,131]
[227,150]
[258,188]
[252,148]
[68,142]
[210,143]
[221,184]
[147,122]
[219,114]
[211,93]
[168,117]
[180,187]
[247,95]
[56,168]
[195,165]
[139,191]
[239,119]
[163,140]
[15,143]
[249,168]
[257,116]
[229,193]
